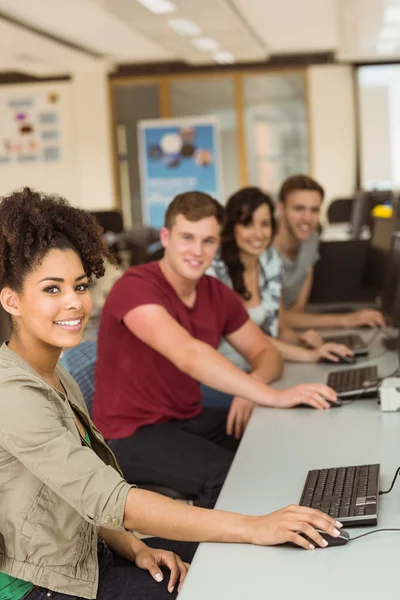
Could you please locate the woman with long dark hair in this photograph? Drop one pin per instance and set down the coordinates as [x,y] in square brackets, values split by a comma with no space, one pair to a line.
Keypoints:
[249,264]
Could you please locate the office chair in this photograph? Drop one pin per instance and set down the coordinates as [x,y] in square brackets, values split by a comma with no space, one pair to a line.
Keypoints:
[139,242]
[109,220]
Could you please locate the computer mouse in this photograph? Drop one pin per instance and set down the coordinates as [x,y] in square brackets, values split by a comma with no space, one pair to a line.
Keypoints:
[341,540]
[331,403]
[334,403]
[343,360]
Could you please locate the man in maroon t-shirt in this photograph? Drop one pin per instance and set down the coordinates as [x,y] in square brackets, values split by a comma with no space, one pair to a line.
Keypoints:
[160,329]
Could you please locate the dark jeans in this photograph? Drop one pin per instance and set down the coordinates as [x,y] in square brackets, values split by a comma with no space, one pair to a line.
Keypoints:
[212,397]
[120,579]
[191,456]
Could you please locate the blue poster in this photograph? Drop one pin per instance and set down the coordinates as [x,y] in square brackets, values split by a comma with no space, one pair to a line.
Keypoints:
[176,156]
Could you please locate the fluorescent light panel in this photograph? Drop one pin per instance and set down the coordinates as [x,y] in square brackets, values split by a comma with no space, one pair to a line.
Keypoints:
[159,7]
[184,27]
[224,57]
[386,46]
[392,14]
[206,44]
[390,32]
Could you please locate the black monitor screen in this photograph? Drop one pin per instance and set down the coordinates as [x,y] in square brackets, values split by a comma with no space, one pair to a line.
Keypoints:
[391,294]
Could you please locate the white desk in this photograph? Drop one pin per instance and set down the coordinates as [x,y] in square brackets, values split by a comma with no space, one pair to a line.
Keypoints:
[268,473]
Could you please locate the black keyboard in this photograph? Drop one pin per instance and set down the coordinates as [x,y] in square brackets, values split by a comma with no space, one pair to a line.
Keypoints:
[348,494]
[354,383]
[352,341]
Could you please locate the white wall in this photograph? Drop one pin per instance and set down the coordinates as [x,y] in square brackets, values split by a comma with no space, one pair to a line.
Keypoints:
[84,173]
[93,148]
[332,129]
[375,128]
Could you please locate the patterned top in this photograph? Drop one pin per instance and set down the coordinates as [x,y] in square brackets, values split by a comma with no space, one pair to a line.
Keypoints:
[266,315]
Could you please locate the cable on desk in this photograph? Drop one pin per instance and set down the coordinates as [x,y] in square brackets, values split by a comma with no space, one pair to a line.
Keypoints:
[374,336]
[392,374]
[371,532]
[391,487]
[372,357]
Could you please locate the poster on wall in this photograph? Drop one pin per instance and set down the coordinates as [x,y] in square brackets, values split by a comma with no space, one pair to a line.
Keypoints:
[176,156]
[29,127]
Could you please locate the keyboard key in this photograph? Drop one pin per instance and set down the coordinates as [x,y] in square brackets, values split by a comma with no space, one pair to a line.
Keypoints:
[371,509]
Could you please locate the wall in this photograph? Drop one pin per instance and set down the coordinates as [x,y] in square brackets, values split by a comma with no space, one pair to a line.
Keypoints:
[375,129]
[84,172]
[332,128]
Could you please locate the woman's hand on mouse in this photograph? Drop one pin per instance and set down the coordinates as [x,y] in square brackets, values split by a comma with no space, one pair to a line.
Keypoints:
[331,352]
[313,394]
[287,525]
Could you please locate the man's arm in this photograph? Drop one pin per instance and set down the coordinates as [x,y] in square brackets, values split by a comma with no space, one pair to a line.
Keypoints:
[286,332]
[265,360]
[296,317]
[153,325]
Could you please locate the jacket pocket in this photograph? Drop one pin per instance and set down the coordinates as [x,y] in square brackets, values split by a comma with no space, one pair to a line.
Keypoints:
[36,513]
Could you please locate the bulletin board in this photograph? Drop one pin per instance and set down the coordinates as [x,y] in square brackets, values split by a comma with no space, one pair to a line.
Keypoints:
[30,126]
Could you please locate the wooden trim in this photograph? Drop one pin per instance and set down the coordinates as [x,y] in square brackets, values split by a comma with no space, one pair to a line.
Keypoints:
[311,161]
[193,75]
[240,131]
[129,81]
[357,127]
[114,150]
[274,62]
[164,98]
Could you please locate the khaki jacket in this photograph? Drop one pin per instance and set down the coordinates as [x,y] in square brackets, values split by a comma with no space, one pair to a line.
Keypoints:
[54,492]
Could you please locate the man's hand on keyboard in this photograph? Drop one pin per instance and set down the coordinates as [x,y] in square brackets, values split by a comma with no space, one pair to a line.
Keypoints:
[286,525]
[368,317]
[314,394]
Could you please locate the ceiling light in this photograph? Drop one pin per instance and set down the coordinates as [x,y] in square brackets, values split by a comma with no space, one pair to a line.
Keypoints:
[184,27]
[224,57]
[158,7]
[386,46]
[389,32]
[206,44]
[392,14]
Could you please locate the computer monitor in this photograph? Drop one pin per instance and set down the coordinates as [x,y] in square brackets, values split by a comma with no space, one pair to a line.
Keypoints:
[391,292]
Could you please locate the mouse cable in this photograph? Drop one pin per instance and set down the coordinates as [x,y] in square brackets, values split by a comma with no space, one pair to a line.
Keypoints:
[373,337]
[392,374]
[370,532]
[391,487]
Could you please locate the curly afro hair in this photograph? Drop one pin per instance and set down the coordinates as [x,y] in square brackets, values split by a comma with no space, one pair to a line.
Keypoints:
[32,223]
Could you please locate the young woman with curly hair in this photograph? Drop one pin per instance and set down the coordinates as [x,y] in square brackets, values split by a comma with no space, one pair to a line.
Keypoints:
[66,513]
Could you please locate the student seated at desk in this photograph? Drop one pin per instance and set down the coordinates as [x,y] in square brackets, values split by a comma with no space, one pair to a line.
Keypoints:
[160,329]
[66,513]
[297,240]
[249,264]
